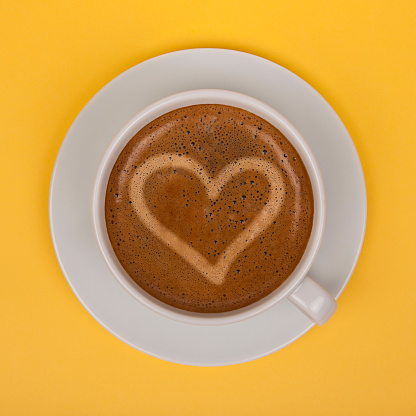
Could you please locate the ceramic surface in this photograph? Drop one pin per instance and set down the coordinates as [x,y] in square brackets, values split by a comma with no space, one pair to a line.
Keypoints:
[99,122]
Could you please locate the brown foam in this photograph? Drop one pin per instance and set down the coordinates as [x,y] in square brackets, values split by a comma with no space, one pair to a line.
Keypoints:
[209,208]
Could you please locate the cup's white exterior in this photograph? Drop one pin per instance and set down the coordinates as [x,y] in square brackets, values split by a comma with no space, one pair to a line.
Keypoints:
[305,293]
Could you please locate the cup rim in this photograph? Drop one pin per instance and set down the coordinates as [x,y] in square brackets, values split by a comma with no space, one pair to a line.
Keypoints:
[184,99]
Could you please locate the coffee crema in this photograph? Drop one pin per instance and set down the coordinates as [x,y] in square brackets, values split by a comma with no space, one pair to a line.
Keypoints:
[209,208]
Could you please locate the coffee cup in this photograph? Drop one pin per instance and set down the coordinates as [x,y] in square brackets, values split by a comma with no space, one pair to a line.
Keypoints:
[299,288]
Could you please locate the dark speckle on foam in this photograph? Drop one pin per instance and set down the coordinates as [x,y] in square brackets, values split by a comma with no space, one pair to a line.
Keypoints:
[212,136]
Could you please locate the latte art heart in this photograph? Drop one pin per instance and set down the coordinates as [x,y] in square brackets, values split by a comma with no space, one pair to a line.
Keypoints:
[215,273]
[209,208]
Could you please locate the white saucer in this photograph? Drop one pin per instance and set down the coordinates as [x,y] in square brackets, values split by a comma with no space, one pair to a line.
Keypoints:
[84,145]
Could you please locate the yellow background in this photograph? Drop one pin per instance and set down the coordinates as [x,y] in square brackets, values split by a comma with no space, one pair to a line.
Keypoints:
[55,359]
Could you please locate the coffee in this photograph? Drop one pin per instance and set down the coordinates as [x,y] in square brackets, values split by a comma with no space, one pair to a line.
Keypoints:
[209,208]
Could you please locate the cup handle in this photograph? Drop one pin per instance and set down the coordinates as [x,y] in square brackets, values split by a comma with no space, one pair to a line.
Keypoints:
[314,301]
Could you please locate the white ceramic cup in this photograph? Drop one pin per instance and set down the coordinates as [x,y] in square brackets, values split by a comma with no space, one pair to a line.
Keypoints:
[307,295]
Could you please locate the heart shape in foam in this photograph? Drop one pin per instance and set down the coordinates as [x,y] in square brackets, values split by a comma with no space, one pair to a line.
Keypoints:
[215,273]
